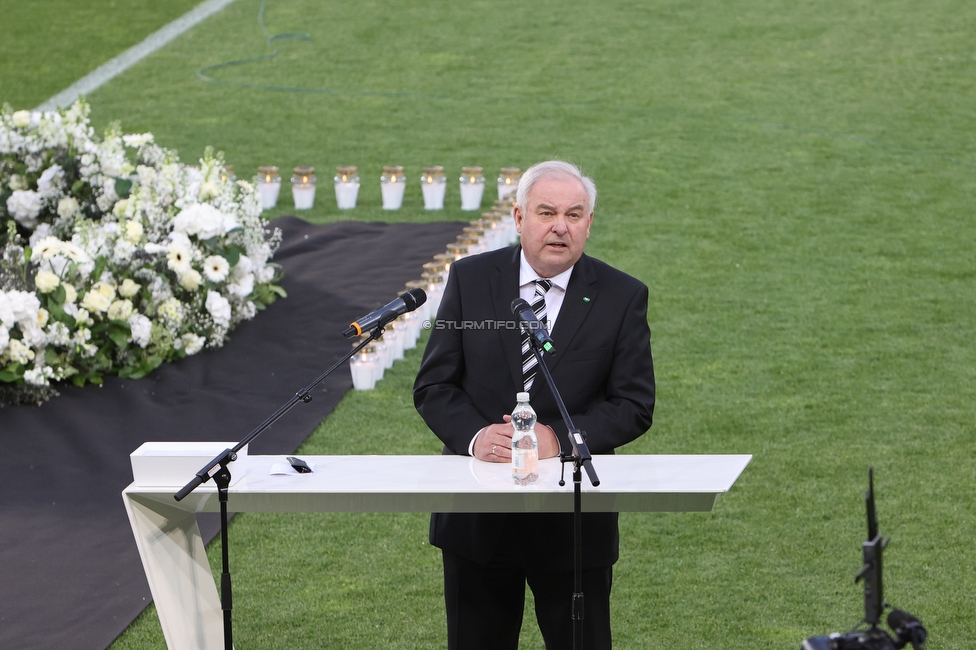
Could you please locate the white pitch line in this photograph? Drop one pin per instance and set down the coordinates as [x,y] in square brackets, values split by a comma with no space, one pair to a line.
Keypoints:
[136,53]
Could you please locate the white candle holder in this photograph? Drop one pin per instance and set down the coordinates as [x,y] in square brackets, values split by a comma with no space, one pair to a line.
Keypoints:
[396,336]
[433,276]
[411,330]
[424,312]
[508,179]
[384,352]
[445,259]
[269,186]
[458,250]
[472,187]
[346,187]
[303,187]
[433,183]
[363,366]
[393,184]
[506,208]
[228,175]
[490,226]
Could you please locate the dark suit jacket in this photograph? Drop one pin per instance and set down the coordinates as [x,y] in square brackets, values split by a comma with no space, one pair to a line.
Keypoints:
[472,370]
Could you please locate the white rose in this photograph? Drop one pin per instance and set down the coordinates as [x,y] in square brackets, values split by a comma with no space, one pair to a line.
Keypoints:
[95,302]
[120,310]
[46,282]
[68,207]
[191,280]
[22,119]
[70,294]
[42,317]
[134,231]
[219,308]
[119,208]
[129,288]
[24,206]
[192,343]
[105,289]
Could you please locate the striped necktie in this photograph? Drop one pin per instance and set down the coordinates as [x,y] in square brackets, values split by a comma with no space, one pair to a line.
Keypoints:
[529,362]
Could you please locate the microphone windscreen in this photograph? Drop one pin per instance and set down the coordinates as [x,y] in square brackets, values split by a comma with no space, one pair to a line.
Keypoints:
[414,298]
[518,305]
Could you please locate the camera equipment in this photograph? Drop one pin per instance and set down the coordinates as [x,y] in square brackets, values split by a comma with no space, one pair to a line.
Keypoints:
[906,627]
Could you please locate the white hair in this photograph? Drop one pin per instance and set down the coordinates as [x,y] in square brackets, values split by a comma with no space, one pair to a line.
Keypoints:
[554,169]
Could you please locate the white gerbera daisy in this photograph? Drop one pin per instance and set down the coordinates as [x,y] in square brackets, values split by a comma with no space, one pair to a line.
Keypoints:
[216,268]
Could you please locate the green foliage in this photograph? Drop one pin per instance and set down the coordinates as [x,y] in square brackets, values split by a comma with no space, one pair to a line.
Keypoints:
[794,182]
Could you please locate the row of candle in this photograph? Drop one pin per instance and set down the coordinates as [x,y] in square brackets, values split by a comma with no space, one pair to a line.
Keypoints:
[393,183]
[495,229]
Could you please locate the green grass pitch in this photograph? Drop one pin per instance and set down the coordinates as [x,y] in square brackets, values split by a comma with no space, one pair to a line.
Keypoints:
[794,182]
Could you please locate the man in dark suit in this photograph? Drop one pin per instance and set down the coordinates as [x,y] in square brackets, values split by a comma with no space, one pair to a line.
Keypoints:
[473,368]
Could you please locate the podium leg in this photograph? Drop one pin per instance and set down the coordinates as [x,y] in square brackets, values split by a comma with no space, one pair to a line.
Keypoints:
[178,572]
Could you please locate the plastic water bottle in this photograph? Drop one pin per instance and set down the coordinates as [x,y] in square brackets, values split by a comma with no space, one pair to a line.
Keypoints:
[525,445]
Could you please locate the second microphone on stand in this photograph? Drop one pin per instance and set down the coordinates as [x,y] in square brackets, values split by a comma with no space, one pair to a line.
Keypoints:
[407,302]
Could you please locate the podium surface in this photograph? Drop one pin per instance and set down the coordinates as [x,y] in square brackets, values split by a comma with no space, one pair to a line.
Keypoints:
[175,561]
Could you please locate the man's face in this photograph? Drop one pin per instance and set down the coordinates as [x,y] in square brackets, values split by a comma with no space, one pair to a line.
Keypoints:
[554,225]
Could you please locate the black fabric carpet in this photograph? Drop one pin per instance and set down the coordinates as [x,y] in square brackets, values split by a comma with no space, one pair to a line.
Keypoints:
[70,574]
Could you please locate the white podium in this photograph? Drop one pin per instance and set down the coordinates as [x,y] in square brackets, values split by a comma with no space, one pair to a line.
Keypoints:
[175,561]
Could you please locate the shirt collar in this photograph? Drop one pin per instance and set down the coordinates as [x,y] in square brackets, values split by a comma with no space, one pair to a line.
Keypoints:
[527,274]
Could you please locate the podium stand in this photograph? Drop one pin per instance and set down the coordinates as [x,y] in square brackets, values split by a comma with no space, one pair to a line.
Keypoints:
[183,586]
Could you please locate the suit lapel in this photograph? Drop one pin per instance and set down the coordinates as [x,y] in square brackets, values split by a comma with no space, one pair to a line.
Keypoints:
[505,289]
[579,300]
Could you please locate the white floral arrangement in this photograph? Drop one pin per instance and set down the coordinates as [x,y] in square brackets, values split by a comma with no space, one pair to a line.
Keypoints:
[116,257]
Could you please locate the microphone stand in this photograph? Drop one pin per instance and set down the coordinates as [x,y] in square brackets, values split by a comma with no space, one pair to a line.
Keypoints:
[222,477]
[580,458]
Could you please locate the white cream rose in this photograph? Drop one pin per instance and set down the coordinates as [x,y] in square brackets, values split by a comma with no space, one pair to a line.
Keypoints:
[120,310]
[129,288]
[46,282]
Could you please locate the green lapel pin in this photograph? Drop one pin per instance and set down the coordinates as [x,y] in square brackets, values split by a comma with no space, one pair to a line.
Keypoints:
[585,299]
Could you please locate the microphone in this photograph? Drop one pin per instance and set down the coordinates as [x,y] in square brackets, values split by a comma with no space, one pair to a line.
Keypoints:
[532,325]
[907,628]
[382,316]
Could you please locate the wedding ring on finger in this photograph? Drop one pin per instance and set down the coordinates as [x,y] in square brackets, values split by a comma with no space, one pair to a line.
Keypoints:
[493,450]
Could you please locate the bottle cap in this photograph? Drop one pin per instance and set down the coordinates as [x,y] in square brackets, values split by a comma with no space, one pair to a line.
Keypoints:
[522,397]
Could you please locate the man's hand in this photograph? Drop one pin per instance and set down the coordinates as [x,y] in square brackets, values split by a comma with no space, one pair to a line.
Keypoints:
[494,442]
